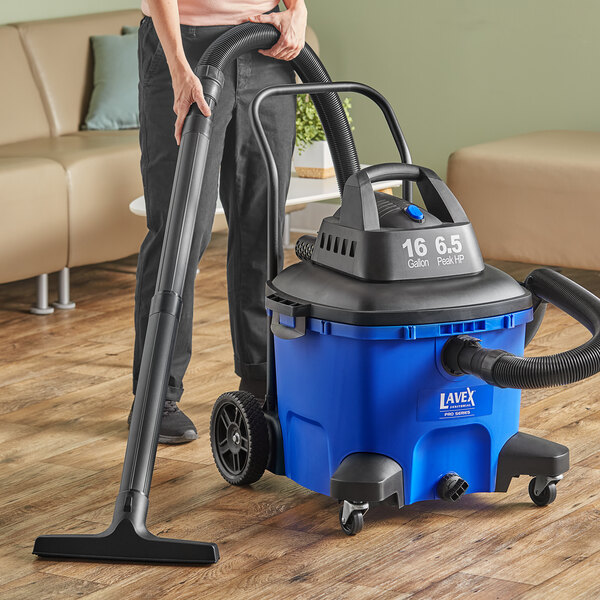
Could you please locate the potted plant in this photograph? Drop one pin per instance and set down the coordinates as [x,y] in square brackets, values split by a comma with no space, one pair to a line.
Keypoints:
[311,155]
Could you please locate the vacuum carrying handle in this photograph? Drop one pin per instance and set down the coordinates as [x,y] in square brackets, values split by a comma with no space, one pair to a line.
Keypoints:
[385,171]
[464,354]
[359,207]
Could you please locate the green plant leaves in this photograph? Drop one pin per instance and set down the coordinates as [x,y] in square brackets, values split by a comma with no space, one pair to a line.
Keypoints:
[308,125]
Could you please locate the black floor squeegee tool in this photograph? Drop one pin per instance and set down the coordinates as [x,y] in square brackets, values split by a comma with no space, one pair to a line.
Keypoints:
[127,538]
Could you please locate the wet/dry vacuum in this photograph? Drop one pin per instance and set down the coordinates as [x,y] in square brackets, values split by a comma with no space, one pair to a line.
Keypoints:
[398,354]
[395,362]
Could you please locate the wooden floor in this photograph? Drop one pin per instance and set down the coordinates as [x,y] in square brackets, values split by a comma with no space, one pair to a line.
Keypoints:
[65,395]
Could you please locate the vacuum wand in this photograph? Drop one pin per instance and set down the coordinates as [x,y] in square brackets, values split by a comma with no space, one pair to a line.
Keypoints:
[127,538]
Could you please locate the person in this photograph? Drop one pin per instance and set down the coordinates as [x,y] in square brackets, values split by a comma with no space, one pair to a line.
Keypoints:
[172,38]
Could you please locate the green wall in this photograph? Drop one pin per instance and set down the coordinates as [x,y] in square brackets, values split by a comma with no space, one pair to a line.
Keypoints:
[12,11]
[459,72]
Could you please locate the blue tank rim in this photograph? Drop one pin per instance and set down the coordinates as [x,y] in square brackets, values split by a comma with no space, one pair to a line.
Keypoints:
[413,332]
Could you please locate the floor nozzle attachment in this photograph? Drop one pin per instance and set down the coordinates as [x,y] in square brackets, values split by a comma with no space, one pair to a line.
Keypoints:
[451,487]
[127,540]
[123,542]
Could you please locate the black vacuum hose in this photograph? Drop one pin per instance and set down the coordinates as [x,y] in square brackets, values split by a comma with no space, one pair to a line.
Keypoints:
[464,354]
[252,36]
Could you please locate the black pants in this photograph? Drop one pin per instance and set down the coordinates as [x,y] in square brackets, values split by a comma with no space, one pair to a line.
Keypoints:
[242,186]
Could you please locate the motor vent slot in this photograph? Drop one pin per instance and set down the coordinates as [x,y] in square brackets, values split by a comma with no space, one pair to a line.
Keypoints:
[337,245]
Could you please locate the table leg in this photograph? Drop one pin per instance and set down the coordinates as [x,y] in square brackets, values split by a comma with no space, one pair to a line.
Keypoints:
[286,232]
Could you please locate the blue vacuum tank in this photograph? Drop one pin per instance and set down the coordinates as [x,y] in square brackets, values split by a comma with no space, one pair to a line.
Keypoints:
[358,351]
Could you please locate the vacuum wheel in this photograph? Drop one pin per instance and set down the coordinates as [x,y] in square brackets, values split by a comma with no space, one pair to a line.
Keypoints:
[239,438]
[547,495]
[354,523]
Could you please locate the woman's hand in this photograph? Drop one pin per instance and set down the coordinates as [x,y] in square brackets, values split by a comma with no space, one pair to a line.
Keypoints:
[187,89]
[291,23]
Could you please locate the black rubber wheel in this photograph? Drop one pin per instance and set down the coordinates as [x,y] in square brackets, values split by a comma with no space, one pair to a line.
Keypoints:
[354,524]
[547,496]
[239,438]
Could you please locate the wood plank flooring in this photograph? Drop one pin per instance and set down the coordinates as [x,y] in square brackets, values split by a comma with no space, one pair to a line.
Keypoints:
[65,392]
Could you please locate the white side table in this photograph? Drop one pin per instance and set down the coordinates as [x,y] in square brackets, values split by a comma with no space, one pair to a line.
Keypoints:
[302,191]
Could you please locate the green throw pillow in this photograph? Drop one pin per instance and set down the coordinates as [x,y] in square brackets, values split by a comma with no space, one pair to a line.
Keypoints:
[114,102]
[129,29]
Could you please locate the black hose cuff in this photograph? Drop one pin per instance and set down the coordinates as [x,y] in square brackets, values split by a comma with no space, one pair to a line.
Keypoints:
[212,79]
[464,354]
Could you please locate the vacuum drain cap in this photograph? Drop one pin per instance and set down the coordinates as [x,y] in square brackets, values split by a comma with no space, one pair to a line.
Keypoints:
[451,487]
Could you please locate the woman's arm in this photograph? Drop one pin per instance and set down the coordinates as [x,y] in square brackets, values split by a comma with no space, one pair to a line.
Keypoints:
[187,88]
[292,25]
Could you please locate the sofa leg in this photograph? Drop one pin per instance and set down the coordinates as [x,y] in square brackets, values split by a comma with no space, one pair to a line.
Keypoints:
[64,291]
[41,306]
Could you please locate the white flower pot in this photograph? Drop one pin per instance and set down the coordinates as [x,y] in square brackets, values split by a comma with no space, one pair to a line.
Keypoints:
[315,161]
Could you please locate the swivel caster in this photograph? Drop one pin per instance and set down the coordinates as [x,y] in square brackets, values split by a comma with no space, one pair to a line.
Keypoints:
[352,516]
[542,490]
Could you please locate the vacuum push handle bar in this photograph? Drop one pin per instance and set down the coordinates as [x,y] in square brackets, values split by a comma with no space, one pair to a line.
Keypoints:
[314,89]
[464,354]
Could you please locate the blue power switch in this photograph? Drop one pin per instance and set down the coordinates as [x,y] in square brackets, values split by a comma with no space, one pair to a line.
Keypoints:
[414,212]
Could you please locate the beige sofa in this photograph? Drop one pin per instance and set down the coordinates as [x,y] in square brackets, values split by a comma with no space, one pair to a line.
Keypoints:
[533,198]
[64,192]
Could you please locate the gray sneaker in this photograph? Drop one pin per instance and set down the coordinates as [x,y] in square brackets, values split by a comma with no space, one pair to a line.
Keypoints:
[175,427]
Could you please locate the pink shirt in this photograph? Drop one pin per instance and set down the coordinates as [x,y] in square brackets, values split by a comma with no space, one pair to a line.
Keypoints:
[218,12]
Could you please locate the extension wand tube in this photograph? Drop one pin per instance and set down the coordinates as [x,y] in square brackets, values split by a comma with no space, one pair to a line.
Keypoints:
[464,354]
[127,538]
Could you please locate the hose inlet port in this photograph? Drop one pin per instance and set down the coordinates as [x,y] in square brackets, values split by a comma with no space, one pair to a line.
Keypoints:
[305,246]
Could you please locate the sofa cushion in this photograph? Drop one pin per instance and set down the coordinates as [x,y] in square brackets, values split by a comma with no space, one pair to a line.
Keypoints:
[533,198]
[114,102]
[60,54]
[22,114]
[33,228]
[103,175]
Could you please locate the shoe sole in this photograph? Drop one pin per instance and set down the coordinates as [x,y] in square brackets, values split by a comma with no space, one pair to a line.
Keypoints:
[188,436]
